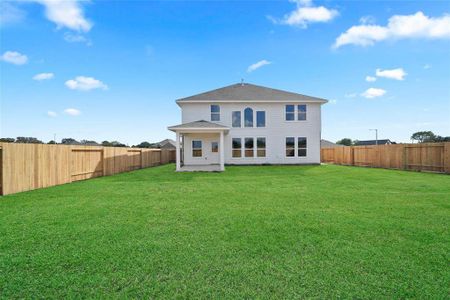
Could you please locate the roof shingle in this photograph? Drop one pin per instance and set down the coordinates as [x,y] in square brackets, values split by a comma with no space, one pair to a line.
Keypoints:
[249,92]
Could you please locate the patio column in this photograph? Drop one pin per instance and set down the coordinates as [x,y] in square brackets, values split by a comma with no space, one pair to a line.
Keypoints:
[177,145]
[222,152]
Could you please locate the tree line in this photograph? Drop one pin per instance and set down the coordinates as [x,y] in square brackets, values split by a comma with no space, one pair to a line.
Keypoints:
[72,141]
[420,137]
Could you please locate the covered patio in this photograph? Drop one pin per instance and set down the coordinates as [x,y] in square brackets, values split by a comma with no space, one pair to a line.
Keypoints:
[200,146]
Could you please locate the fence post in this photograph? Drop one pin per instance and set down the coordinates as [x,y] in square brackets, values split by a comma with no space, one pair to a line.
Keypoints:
[352,156]
[446,157]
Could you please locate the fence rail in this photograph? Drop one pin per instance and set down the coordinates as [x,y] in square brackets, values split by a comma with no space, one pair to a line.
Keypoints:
[434,157]
[26,167]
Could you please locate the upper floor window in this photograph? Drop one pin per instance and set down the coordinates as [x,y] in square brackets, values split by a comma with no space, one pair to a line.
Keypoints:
[236,118]
[260,119]
[293,110]
[290,112]
[215,113]
[301,112]
[196,148]
[248,117]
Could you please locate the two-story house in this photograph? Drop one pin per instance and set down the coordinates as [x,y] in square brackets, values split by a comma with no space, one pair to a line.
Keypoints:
[247,124]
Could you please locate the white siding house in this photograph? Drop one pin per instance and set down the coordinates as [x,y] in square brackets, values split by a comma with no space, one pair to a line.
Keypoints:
[247,124]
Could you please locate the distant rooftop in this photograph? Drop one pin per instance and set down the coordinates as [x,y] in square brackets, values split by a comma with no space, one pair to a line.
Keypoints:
[249,92]
[373,142]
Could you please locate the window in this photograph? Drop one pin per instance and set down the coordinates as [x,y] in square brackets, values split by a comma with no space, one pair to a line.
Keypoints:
[248,117]
[196,148]
[215,113]
[249,147]
[236,143]
[261,147]
[301,146]
[301,112]
[290,112]
[214,147]
[260,119]
[290,146]
[236,118]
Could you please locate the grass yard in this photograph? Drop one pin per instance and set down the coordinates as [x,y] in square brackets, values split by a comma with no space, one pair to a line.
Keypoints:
[250,232]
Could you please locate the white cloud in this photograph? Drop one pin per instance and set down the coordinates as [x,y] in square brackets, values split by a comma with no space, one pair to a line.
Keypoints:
[417,25]
[10,14]
[66,13]
[52,114]
[397,74]
[350,95]
[14,57]
[258,65]
[427,66]
[367,20]
[83,83]
[76,38]
[306,13]
[373,93]
[72,112]
[370,78]
[333,101]
[43,76]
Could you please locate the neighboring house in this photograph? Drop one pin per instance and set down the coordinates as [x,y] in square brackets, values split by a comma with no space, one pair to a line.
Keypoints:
[373,142]
[328,144]
[167,144]
[247,124]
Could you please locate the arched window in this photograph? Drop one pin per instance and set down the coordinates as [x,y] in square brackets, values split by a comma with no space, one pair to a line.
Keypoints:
[248,117]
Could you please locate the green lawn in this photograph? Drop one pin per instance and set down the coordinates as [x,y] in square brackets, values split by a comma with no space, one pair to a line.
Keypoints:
[250,232]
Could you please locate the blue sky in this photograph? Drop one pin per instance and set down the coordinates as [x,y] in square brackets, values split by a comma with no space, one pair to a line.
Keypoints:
[111,70]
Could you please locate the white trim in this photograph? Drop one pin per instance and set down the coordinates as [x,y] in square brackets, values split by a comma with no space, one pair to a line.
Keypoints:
[222,152]
[198,130]
[252,101]
[178,153]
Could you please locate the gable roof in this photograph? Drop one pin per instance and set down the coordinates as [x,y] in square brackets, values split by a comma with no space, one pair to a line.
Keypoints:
[248,92]
[166,141]
[328,144]
[201,124]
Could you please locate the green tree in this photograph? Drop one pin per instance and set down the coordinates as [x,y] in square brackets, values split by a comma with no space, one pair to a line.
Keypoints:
[117,144]
[28,140]
[345,142]
[439,138]
[7,140]
[89,143]
[52,142]
[147,145]
[423,136]
[69,141]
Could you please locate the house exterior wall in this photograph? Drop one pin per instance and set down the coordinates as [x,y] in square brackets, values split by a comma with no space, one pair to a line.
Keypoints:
[275,131]
[208,157]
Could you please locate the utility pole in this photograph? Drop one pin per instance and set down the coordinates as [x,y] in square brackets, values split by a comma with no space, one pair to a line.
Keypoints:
[376,135]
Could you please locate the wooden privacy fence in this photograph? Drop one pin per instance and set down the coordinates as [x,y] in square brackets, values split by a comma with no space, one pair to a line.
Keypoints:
[434,157]
[32,166]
